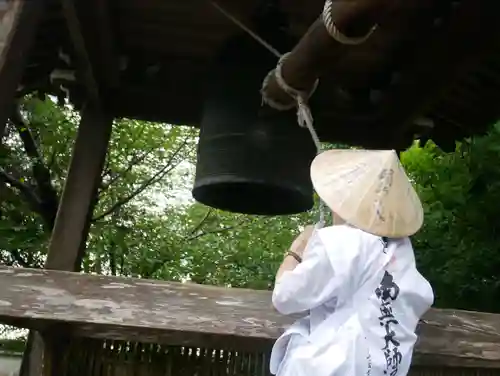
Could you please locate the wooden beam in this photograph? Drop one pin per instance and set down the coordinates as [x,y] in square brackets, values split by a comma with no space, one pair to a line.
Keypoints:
[78,198]
[19,20]
[32,362]
[91,34]
[83,61]
[317,51]
[195,315]
[95,21]
[69,236]
[463,41]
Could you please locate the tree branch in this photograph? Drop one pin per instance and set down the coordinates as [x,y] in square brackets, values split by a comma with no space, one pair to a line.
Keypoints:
[135,160]
[216,231]
[30,197]
[149,182]
[107,170]
[52,159]
[202,222]
[48,194]
[136,192]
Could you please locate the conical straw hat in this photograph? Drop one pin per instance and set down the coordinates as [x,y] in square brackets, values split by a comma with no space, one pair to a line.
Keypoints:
[369,190]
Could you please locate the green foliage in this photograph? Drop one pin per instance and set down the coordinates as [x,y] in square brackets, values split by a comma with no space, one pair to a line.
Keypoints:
[35,157]
[457,249]
[12,346]
[146,225]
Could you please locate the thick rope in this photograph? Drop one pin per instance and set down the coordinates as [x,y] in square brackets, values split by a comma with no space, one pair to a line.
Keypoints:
[292,92]
[305,119]
[271,102]
[331,28]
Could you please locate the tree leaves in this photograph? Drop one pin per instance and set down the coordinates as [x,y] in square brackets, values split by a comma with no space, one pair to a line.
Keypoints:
[457,248]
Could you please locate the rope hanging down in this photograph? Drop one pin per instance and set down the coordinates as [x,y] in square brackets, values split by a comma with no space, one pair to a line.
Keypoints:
[301,98]
[304,118]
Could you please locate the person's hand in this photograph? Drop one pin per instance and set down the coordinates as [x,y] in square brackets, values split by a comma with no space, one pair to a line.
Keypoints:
[300,242]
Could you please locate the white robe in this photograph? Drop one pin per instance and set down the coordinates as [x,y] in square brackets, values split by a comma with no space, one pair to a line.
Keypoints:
[361,303]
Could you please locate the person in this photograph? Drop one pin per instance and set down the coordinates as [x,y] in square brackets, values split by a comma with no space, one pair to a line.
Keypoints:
[354,285]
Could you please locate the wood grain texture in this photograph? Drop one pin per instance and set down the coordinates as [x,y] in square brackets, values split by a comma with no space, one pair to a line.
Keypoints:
[203,316]
[18,24]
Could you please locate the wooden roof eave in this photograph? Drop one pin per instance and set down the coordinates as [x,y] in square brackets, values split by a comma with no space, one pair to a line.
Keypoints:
[424,83]
[444,54]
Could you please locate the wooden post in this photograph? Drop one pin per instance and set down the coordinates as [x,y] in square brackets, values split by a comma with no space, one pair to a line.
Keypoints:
[56,353]
[19,20]
[76,207]
[69,236]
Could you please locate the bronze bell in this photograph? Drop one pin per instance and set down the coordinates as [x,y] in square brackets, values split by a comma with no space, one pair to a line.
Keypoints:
[251,159]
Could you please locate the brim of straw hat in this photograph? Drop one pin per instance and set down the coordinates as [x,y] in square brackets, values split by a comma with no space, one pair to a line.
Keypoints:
[369,189]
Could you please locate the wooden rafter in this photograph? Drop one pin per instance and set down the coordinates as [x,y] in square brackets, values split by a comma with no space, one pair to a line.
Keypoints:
[469,35]
[19,20]
[96,25]
[90,32]
[83,60]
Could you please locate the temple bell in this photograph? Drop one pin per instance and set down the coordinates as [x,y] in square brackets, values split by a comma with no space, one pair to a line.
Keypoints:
[251,159]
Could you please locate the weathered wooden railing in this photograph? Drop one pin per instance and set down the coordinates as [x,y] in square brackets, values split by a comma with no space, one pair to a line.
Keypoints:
[95,325]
